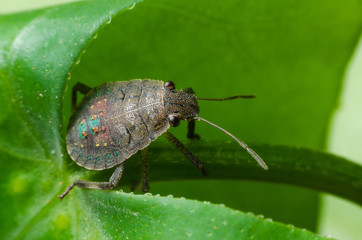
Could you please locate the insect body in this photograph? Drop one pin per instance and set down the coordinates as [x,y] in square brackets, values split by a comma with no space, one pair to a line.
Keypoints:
[117,119]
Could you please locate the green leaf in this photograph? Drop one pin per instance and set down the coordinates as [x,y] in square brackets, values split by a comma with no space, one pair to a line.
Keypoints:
[307,168]
[121,215]
[288,54]
[108,213]
[291,55]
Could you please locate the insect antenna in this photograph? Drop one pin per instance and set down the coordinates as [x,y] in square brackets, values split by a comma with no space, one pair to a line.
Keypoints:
[242,144]
[227,98]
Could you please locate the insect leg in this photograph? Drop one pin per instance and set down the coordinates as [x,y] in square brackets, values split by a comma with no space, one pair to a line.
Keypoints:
[191,124]
[191,130]
[189,91]
[189,155]
[145,167]
[79,87]
[113,181]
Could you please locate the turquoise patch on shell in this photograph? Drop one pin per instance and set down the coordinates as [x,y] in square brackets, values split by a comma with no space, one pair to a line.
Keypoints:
[108,156]
[82,127]
[93,123]
[115,153]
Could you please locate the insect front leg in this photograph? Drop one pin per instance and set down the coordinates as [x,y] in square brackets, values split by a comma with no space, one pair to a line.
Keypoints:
[79,87]
[189,155]
[191,124]
[113,182]
[145,168]
[191,130]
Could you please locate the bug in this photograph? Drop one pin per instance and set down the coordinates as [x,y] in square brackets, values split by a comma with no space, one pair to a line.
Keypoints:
[117,119]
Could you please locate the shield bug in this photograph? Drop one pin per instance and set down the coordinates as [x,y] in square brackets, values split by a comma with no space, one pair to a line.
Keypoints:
[117,119]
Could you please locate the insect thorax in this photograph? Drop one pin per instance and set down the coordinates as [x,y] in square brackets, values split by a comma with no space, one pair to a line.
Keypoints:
[182,104]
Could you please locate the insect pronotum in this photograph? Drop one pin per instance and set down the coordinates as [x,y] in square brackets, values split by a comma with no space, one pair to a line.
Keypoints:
[117,119]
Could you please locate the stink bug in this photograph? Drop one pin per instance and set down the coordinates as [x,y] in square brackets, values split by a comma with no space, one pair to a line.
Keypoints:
[117,119]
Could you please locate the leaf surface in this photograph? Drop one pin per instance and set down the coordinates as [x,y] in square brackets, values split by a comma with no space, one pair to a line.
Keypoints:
[292,60]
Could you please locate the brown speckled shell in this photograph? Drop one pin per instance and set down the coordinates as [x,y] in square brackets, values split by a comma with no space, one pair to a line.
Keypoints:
[127,116]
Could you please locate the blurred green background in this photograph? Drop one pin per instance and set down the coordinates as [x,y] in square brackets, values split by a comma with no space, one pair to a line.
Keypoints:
[338,218]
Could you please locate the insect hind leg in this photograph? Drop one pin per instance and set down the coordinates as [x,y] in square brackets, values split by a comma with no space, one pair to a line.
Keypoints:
[79,87]
[145,168]
[113,182]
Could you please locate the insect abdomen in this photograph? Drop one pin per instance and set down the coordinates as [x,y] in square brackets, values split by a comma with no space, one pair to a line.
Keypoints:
[116,120]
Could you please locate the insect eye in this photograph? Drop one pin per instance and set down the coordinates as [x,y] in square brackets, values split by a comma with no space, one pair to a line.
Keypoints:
[174,120]
[169,85]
